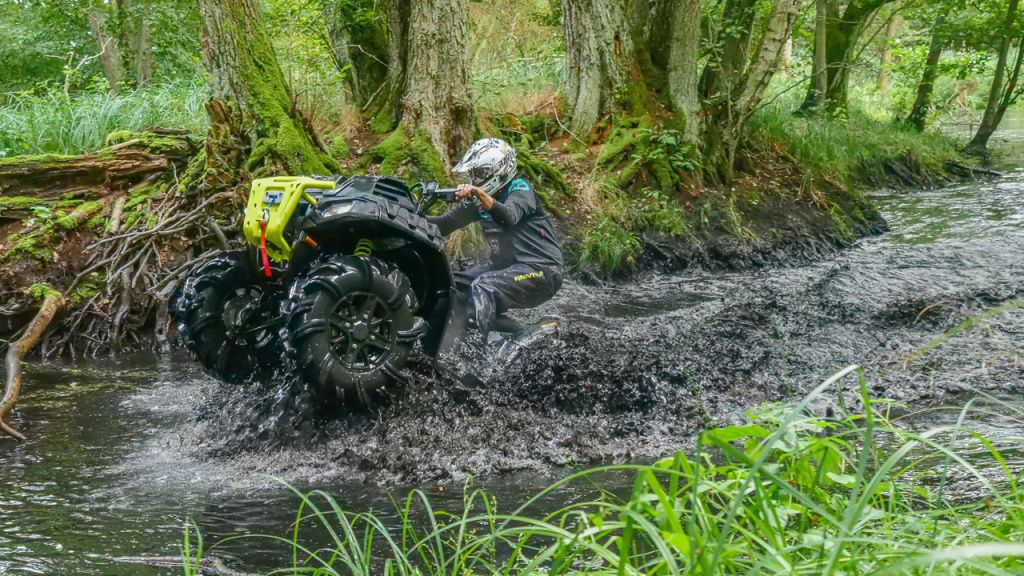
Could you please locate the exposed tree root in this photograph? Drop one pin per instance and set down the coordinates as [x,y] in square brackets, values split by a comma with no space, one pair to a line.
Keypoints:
[52,304]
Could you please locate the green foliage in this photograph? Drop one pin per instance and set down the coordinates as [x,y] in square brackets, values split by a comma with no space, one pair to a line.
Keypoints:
[608,246]
[412,157]
[787,492]
[47,122]
[852,150]
[610,242]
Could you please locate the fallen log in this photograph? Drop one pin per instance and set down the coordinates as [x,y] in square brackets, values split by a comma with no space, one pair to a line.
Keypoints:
[130,159]
[53,302]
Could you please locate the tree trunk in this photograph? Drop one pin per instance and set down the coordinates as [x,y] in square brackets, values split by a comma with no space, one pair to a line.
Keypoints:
[842,33]
[819,69]
[998,92]
[109,48]
[437,97]
[742,89]
[255,128]
[885,56]
[684,52]
[599,55]
[142,50]
[787,59]
[923,102]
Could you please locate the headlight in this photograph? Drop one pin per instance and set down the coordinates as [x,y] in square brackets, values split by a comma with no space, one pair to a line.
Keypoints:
[338,210]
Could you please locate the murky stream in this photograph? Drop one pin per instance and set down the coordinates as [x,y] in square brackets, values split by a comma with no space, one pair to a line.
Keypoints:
[122,451]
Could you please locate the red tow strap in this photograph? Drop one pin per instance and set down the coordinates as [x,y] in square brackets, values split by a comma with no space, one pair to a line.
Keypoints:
[263,248]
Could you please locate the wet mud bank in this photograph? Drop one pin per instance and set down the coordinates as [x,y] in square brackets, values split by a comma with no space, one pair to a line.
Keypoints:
[641,366]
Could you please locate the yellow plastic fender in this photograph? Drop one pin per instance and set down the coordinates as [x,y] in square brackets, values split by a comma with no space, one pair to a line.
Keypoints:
[274,200]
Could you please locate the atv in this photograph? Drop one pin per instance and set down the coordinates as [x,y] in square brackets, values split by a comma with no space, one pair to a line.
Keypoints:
[340,279]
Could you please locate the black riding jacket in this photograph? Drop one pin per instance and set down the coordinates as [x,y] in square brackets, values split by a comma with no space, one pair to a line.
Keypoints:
[517,228]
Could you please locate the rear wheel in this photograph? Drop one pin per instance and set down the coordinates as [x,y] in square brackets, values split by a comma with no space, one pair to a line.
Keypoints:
[352,328]
[224,313]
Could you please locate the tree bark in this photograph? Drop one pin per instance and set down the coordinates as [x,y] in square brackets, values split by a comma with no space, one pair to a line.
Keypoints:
[600,58]
[255,128]
[999,92]
[109,48]
[842,33]
[684,52]
[918,117]
[819,72]
[437,97]
[885,55]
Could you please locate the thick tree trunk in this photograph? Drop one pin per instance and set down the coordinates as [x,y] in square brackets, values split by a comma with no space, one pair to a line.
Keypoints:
[600,58]
[842,33]
[255,127]
[918,117]
[999,91]
[437,97]
[684,52]
[109,47]
[885,55]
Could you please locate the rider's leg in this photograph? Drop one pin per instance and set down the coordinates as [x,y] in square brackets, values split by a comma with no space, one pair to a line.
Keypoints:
[520,286]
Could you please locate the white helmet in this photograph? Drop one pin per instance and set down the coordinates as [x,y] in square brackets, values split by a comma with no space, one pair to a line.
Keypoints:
[490,164]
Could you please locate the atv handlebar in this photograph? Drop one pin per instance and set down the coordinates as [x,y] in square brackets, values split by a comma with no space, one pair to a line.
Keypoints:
[431,192]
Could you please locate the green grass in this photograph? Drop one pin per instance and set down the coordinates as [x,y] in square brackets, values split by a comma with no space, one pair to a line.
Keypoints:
[48,123]
[852,151]
[788,492]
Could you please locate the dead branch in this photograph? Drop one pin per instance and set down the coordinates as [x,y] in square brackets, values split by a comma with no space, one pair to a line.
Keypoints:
[52,304]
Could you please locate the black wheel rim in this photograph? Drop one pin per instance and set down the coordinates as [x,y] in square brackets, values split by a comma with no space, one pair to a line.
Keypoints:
[241,312]
[361,331]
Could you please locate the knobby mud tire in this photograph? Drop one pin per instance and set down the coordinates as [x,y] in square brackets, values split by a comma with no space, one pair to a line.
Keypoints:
[198,310]
[314,336]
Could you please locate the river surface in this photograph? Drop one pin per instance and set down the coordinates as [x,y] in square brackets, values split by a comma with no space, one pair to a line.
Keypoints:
[123,451]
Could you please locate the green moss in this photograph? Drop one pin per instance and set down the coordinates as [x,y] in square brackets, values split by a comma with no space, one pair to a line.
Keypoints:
[151,141]
[410,157]
[72,220]
[338,146]
[42,291]
[31,245]
[33,162]
[20,203]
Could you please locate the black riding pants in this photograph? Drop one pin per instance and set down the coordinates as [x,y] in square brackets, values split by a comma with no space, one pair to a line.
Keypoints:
[494,292]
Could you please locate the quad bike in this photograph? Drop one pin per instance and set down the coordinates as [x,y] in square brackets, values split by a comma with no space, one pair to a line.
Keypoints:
[340,279]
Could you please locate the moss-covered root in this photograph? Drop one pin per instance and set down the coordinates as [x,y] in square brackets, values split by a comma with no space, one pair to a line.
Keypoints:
[410,155]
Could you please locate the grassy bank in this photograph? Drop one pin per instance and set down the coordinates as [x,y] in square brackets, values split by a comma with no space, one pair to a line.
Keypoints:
[789,492]
[800,183]
[49,122]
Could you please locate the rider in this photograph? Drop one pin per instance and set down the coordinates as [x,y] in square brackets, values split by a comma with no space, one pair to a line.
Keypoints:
[526,259]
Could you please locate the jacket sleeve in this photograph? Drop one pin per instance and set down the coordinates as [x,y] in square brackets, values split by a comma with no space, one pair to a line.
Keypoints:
[520,202]
[458,217]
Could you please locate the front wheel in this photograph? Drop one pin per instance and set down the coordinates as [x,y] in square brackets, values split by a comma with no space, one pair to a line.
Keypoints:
[352,328]
[225,316]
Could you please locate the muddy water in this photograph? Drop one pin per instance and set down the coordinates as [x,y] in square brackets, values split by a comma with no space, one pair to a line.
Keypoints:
[123,451]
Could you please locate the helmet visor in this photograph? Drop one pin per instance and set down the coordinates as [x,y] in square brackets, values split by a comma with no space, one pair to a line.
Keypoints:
[480,174]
